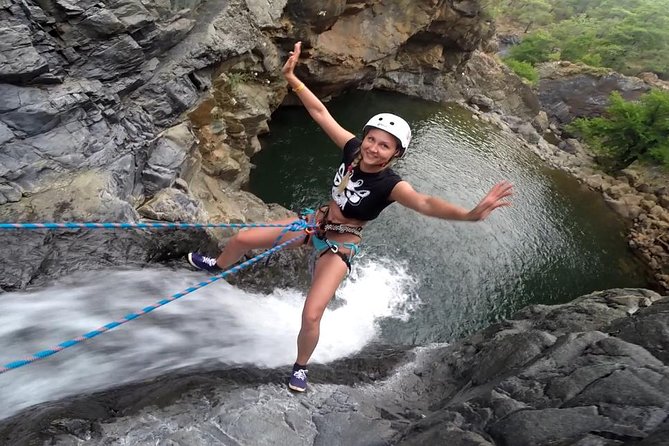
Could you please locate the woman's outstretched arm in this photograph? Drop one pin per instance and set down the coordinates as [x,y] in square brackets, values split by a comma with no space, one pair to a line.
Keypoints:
[431,206]
[314,106]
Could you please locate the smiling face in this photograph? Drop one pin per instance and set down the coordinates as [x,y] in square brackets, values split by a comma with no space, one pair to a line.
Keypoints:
[378,147]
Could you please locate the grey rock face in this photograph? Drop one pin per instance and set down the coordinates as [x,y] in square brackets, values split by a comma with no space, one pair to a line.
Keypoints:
[163,165]
[585,387]
[83,91]
[19,60]
[132,13]
[529,428]
[5,133]
[173,205]
[36,111]
[10,192]
[319,15]
[650,331]
[551,375]
[566,94]
[111,59]
[101,21]
[267,14]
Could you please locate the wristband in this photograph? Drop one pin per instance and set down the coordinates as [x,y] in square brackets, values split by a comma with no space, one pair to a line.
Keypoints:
[299,88]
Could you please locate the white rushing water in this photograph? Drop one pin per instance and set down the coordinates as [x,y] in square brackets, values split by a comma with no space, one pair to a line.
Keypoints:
[219,324]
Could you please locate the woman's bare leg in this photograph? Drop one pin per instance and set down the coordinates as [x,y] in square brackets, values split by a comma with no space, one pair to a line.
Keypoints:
[254,238]
[329,272]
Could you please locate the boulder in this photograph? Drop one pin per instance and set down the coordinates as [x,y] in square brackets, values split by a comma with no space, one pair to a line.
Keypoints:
[571,145]
[167,158]
[541,122]
[528,133]
[481,101]
[173,205]
[568,91]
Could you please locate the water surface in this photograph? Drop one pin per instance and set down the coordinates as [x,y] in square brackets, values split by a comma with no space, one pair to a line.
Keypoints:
[419,280]
[558,241]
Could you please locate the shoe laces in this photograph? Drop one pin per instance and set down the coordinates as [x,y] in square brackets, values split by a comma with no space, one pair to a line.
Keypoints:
[211,261]
[300,374]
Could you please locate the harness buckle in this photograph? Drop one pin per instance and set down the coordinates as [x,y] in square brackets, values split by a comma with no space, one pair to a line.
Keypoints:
[333,246]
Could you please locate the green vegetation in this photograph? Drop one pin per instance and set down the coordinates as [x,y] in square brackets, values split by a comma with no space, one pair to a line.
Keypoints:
[523,69]
[629,131]
[535,48]
[629,36]
[236,78]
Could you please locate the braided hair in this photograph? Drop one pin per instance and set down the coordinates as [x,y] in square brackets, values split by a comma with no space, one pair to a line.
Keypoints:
[349,172]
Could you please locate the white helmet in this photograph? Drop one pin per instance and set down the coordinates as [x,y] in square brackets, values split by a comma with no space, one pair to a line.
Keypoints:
[394,125]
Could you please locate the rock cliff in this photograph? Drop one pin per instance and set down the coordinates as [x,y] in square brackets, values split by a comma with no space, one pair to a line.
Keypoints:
[126,109]
[639,193]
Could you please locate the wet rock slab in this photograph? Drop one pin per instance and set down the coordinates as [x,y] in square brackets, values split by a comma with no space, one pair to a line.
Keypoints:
[591,372]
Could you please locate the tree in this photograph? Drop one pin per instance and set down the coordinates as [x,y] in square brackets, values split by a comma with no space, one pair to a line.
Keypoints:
[524,12]
[534,12]
[630,36]
[535,48]
[629,130]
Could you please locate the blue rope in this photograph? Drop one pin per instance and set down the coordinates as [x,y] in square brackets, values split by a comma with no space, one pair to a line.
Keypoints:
[301,223]
[131,316]
[160,225]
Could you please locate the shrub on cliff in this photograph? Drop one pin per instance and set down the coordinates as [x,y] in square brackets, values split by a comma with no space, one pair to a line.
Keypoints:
[629,130]
[535,48]
[523,69]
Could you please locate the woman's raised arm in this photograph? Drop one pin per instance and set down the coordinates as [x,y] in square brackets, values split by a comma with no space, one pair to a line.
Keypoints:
[432,206]
[314,106]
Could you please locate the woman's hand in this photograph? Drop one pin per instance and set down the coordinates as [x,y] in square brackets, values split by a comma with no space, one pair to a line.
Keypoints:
[290,64]
[492,200]
[339,135]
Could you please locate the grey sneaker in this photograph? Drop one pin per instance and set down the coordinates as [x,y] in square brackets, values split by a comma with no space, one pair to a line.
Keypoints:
[203,262]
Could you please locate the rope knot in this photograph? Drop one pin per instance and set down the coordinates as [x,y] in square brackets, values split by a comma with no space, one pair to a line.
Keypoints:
[298,225]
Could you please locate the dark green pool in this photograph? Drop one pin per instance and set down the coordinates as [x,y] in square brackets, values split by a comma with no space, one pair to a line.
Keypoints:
[557,242]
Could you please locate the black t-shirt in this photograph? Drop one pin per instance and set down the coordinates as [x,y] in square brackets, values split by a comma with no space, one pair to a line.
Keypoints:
[366,194]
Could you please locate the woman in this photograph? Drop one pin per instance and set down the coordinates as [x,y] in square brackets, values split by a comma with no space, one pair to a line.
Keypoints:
[363,186]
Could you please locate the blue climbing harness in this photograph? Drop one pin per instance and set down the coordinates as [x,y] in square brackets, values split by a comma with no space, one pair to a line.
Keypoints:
[323,245]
